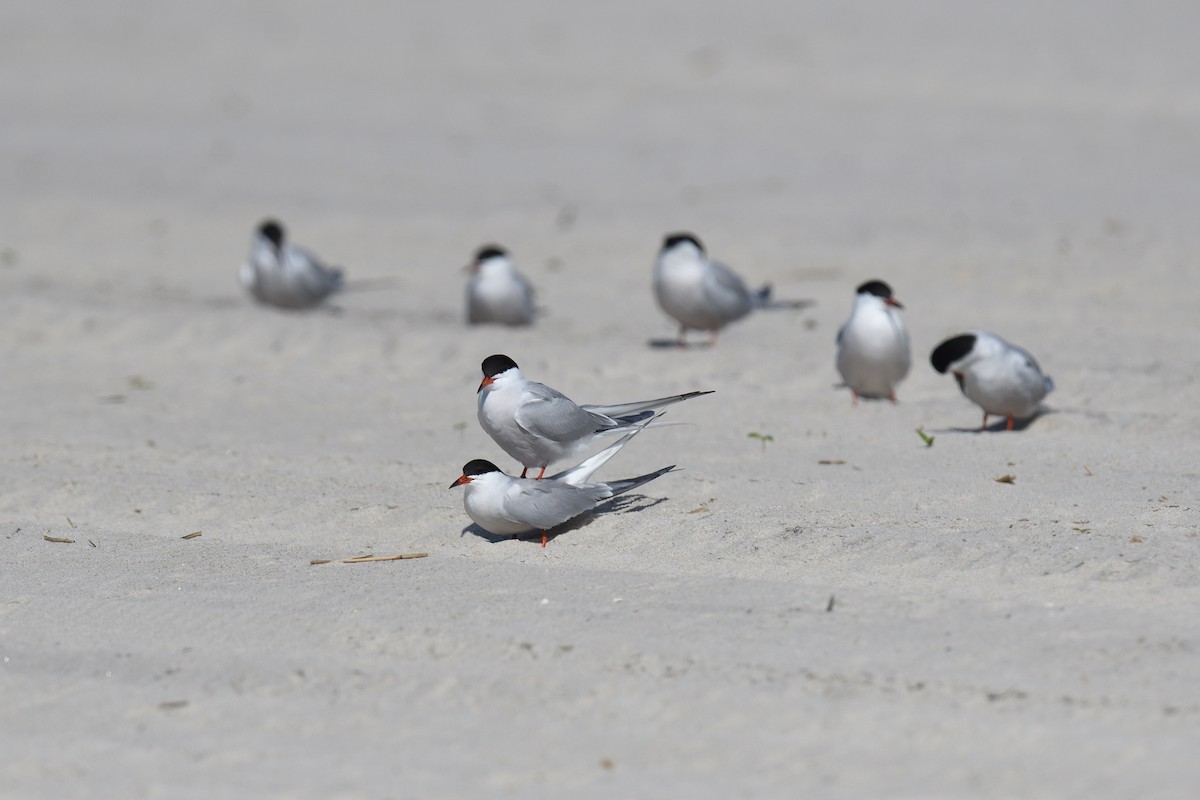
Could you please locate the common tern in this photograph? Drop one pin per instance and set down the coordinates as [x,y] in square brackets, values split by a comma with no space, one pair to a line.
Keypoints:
[699,293]
[999,377]
[502,504]
[496,292]
[873,352]
[538,425]
[278,274]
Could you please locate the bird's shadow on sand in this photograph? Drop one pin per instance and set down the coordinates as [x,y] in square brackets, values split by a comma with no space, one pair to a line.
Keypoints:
[624,504]
[674,344]
[1001,425]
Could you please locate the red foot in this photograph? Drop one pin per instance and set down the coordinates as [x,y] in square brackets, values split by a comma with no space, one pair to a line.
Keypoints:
[543,538]
[892,396]
[1009,427]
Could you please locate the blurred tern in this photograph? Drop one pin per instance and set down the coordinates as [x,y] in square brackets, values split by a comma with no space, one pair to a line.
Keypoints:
[502,504]
[999,377]
[496,292]
[699,293]
[873,351]
[538,425]
[278,274]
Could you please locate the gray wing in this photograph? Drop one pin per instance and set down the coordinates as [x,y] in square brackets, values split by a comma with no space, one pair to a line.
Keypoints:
[554,416]
[726,291]
[526,287]
[544,504]
[316,280]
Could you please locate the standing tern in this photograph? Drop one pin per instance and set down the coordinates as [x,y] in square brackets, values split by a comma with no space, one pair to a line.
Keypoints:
[502,504]
[699,293]
[873,352]
[278,274]
[538,425]
[997,376]
[496,292]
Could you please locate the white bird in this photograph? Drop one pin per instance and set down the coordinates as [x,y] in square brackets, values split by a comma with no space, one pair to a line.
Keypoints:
[496,292]
[502,504]
[999,377]
[278,274]
[699,293]
[538,425]
[873,351]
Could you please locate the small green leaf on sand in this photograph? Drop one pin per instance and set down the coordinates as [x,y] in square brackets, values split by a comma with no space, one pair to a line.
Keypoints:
[762,437]
[925,437]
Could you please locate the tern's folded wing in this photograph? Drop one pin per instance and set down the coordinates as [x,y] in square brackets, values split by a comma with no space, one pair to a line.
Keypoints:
[544,504]
[546,413]
[726,291]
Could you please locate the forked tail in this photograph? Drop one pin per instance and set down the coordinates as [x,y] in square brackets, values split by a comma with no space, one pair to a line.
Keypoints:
[632,413]
[620,487]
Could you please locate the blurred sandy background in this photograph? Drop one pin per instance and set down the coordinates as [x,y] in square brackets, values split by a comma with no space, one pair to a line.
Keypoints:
[1023,167]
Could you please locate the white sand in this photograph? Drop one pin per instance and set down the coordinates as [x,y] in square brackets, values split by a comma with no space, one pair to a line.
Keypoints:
[1031,170]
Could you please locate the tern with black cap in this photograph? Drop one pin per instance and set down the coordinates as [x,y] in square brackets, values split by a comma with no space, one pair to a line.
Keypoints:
[873,352]
[997,376]
[538,425]
[699,293]
[502,504]
[496,292]
[282,275]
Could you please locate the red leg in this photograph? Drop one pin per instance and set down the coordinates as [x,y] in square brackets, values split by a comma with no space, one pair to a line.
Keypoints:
[854,398]
[543,538]
[541,472]
[1009,427]
[984,428]
[892,396]
[712,339]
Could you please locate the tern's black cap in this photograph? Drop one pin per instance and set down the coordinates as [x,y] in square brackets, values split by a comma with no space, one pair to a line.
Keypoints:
[490,251]
[672,239]
[877,288]
[951,351]
[273,230]
[474,469]
[479,466]
[494,365]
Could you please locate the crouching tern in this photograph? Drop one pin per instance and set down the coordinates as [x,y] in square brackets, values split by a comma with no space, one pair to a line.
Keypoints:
[502,504]
[997,376]
[538,425]
[279,274]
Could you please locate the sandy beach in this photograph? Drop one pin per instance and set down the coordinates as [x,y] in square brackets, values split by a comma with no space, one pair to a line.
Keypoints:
[827,609]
